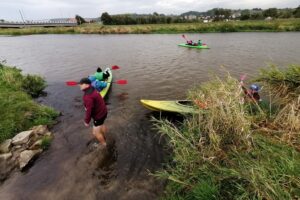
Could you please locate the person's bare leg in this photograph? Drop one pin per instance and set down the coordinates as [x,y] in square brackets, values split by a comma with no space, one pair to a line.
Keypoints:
[103,130]
[98,134]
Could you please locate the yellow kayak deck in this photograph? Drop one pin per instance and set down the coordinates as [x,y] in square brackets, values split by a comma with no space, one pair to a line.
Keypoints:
[183,106]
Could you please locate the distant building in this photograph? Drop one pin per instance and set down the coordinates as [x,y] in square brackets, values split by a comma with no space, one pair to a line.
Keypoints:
[92,20]
[235,15]
[190,17]
[268,18]
[63,20]
[72,20]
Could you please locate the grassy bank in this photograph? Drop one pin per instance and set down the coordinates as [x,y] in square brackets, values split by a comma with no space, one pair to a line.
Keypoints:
[234,149]
[18,110]
[233,26]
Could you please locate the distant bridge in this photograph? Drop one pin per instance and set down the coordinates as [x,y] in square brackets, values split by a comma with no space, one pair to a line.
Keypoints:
[36,24]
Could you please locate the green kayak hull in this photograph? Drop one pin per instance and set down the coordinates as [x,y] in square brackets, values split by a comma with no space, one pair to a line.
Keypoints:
[169,106]
[195,47]
[104,92]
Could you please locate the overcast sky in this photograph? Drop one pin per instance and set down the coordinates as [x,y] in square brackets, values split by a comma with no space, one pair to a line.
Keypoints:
[45,9]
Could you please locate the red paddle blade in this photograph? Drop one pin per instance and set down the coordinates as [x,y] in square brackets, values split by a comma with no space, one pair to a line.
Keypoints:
[71,83]
[121,82]
[183,36]
[115,67]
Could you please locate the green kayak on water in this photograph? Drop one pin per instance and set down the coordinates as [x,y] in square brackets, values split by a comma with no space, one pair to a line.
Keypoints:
[192,46]
[104,91]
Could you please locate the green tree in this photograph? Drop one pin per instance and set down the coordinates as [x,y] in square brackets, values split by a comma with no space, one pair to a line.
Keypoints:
[257,15]
[271,12]
[79,19]
[169,20]
[245,15]
[106,18]
[297,12]
[287,13]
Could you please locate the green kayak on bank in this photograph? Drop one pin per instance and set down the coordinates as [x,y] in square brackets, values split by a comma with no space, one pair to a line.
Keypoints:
[195,47]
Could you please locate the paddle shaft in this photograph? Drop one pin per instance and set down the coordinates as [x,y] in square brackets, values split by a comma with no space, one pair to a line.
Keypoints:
[120,82]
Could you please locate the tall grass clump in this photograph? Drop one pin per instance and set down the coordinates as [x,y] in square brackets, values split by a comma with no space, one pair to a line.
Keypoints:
[18,111]
[219,153]
[285,83]
[224,100]
[285,86]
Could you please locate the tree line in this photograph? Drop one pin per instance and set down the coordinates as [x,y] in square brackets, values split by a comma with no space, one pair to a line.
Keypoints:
[127,19]
[256,14]
[216,14]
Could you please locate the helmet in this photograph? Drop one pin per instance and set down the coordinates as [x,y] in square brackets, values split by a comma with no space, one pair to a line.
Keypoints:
[254,87]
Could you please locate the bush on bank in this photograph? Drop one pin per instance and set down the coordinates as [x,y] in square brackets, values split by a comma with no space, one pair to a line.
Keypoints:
[18,110]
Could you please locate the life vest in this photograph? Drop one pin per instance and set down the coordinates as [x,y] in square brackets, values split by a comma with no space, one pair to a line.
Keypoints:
[99,76]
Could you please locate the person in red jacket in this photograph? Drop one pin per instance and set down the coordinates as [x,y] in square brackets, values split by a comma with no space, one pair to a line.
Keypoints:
[95,110]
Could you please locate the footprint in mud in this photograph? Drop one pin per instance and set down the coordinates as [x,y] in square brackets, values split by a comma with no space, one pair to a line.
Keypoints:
[77,102]
[105,171]
[77,99]
[122,96]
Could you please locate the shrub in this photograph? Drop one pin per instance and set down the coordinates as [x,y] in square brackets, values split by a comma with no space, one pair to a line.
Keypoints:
[46,142]
[33,85]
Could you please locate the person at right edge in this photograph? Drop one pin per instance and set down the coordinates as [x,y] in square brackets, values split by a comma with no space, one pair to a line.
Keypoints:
[95,109]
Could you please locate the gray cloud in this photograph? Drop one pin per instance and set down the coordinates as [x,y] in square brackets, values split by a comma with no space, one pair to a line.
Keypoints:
[44,9]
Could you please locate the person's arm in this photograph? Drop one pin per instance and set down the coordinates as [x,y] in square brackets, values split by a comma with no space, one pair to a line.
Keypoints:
[88,106]
[243,87]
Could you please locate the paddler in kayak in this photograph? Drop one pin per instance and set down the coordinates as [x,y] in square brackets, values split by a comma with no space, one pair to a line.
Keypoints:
[98,79]
[200,43]
[190,42]
[95,110]
[101,76]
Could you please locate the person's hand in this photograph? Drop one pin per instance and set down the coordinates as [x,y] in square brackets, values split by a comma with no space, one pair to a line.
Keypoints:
[86,124]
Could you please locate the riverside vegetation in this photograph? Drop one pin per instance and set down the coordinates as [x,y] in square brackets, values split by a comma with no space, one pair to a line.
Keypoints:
[279,25]
[18,110]
[234,149]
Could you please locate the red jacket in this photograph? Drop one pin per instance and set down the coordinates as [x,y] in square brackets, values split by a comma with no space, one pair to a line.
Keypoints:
[94,105]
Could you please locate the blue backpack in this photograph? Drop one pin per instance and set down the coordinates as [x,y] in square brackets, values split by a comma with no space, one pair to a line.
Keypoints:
[99,85]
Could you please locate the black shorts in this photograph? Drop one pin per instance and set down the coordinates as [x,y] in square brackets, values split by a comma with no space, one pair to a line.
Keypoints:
[100,122]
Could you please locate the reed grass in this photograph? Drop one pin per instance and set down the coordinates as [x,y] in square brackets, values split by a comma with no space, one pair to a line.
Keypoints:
[223,151]
[285,86]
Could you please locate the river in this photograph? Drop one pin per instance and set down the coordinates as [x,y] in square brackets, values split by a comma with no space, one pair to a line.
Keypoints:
[155,69]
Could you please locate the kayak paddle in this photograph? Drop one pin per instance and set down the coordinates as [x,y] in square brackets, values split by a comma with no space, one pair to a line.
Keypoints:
[119,82]
[243,77]
[184,38]
[115,67]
